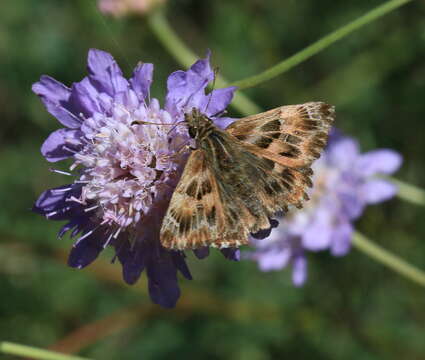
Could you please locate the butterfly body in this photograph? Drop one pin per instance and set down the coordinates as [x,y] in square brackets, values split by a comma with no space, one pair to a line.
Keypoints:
[238,178]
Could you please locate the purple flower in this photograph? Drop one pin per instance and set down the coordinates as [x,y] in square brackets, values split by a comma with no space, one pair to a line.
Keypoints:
[120,8]
[124,167]
[345,181]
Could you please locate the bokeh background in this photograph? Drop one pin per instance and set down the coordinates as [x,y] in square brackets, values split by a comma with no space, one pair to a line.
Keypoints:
[350,308]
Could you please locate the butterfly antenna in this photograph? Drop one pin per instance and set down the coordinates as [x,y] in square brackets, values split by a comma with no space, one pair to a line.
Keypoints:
[175,125]
[137,122]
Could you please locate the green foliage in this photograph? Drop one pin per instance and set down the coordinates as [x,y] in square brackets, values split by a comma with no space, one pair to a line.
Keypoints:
[350,308]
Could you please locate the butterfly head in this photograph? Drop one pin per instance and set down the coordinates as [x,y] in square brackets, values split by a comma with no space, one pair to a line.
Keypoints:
[199,125]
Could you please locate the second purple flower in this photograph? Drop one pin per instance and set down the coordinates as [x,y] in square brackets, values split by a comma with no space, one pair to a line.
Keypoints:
[345,182]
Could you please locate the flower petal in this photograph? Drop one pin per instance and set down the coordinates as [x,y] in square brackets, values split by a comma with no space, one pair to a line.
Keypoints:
[231,254]
[64,116]
[58,147]
[341,238]
[162,280]
[343,153]
[299,270]
[317,235]
[186,88]
[202,68]
[52,199]
[86,251]
[202,252]
[74,224]
[142,80]
[377,190]
[182,92]
[180,263]
[352,205]
[105,73]
[217,100]
[383,161]
[85,98]
[223,122]
[53,203]
[273,259]
[51,89]
[132,260]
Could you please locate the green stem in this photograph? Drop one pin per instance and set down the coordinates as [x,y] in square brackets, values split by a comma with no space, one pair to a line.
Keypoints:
[34,353]
[169,39]
[319,45]
[383,256]
[410,193]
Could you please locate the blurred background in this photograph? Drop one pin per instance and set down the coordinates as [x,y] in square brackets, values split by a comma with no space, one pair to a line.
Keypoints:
[350,308]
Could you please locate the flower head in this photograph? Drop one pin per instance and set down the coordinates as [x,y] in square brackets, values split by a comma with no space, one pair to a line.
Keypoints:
[123,7]
[345,182]
[127,158]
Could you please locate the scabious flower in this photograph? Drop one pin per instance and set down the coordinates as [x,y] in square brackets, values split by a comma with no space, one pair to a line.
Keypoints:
[345,182]
[124,167]
[124,7]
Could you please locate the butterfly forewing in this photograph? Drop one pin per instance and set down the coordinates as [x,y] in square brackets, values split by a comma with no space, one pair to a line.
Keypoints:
[238,178]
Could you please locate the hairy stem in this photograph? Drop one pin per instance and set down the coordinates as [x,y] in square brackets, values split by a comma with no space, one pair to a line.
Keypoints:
[410,193]
[34,353]
[395,263]
[320,45]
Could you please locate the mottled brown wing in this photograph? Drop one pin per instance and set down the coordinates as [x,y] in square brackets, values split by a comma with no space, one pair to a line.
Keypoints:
[196,215]
[292,136]
[227,192]
[239,178]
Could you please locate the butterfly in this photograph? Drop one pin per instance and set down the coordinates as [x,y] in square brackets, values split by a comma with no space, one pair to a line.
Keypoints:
[237,179]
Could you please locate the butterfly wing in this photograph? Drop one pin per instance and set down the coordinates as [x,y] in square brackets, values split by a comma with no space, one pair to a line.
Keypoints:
[225,193]
[292,136]
[196,215]
[234,182]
